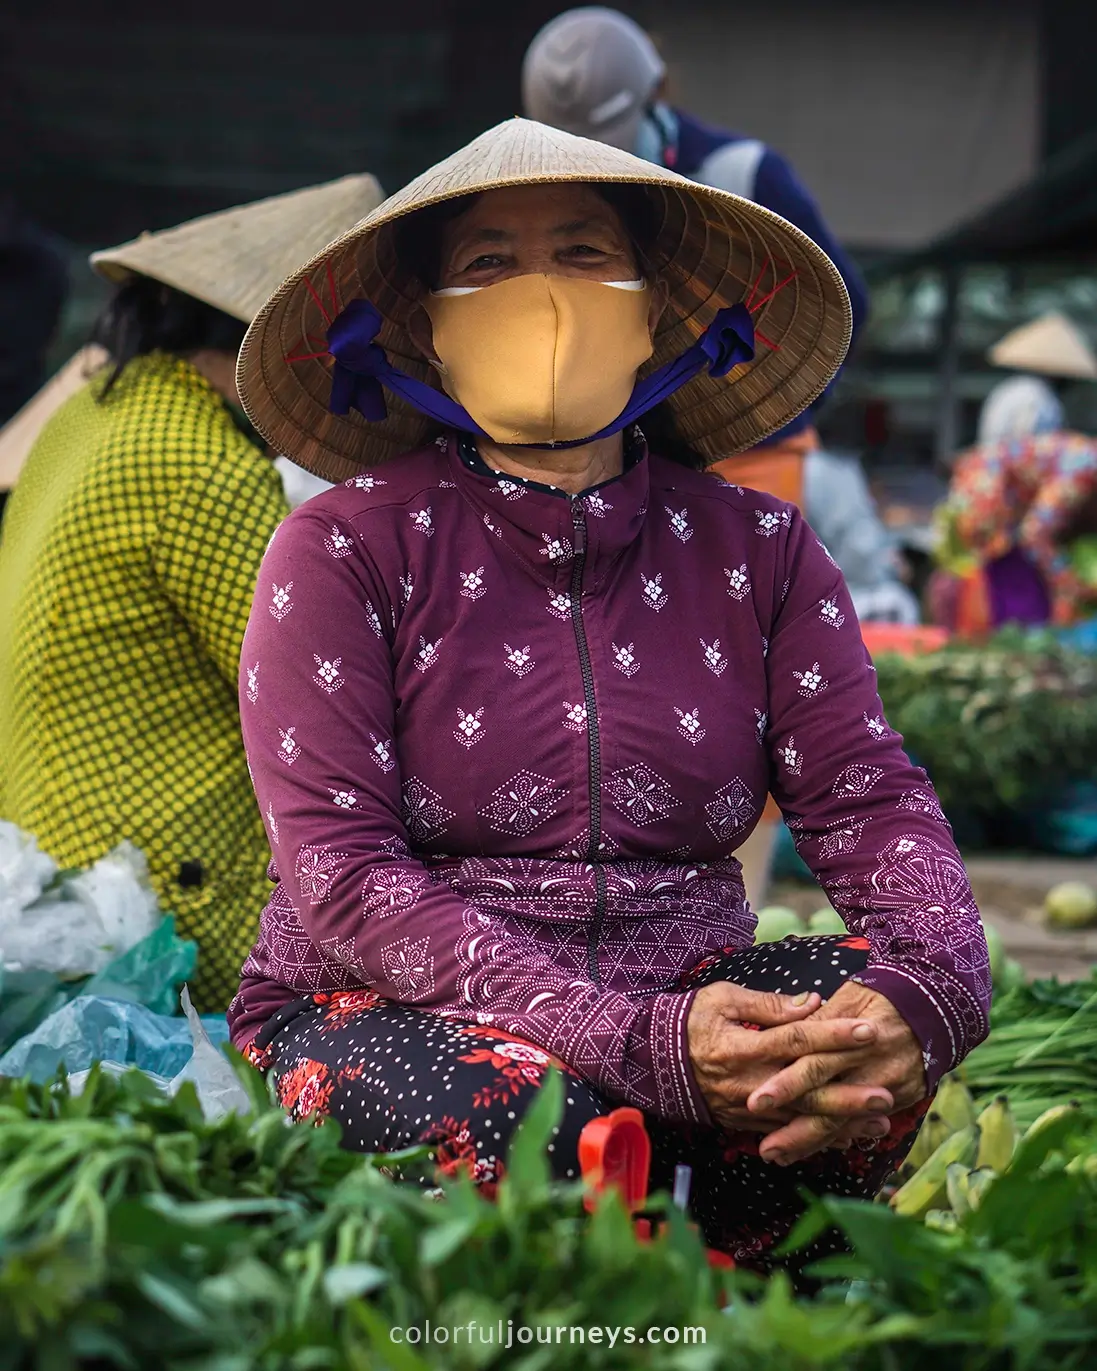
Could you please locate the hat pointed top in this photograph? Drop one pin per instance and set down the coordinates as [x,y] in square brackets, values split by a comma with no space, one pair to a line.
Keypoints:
[520,152]
[1051,345]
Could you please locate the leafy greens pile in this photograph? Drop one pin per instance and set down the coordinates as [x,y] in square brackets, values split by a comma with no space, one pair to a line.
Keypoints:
[996,725]
[1042,1048]
[135,1234]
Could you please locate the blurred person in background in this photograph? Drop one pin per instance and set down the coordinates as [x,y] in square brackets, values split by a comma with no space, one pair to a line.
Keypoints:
[1016,531]
[595,72]
[838,503]
[128,561]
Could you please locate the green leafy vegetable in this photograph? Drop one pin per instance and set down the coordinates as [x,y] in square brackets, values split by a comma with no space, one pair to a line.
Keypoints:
[134,1234]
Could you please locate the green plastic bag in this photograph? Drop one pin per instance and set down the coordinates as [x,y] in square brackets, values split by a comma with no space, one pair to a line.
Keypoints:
[26,998]
[150,973]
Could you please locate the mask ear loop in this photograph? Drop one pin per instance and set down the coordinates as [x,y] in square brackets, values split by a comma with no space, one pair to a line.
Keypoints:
[362,371]
[664,124]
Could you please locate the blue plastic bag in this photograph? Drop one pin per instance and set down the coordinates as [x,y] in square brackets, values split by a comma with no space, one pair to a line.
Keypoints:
[788,865]
[1067,821]
[92,1028]
[1081,637]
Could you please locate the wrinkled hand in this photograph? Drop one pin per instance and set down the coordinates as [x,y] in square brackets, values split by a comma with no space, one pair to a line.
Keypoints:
[731,1062]
[813,1086]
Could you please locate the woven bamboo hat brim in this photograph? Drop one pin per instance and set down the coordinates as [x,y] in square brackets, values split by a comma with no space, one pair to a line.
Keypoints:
[1050,345]
[235,258]
[18,435]
[715,249]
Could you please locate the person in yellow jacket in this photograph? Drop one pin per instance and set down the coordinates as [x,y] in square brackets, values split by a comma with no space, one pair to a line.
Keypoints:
[128,560]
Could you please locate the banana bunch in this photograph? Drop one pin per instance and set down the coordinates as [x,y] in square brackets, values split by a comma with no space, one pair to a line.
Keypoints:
[957,1156]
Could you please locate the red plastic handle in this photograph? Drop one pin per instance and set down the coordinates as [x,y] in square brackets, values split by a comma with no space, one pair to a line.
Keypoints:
[615,1150]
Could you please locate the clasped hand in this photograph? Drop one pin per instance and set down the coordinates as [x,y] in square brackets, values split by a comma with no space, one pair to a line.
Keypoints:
[812,1074]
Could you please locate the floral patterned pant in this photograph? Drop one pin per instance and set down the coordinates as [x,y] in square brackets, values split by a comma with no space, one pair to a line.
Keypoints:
[394,1076]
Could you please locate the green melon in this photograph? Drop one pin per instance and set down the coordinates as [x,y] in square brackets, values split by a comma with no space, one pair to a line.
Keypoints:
[1071,904]
[777,922]
[826,920]
[997,949]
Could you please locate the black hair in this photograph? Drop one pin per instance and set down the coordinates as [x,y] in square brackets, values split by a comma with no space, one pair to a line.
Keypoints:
[661,431]
[418,236]
[145,315]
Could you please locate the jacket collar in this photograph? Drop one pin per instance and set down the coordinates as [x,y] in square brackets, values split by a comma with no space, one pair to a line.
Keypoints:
[548,529]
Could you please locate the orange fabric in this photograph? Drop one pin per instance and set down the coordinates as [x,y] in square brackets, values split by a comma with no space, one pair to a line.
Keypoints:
[772,812]
[971,606]
[960,603]
[776,470]
[908,640]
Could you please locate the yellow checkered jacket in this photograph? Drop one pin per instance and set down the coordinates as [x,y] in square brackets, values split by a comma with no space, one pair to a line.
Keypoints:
[128,558]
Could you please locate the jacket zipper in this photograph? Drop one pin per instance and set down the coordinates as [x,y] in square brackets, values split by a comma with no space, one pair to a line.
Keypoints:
[594,740]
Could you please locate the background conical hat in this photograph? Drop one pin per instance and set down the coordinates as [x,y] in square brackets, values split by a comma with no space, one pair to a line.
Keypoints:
[1050,345]
[18,434]
[235,258]
[717,250]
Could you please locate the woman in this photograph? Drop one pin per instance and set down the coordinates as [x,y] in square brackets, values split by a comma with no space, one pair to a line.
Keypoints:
[506,732]
[1017,502]
[127,567]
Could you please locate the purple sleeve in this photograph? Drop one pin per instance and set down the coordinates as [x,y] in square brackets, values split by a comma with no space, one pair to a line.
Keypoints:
[864,818]
[319,719]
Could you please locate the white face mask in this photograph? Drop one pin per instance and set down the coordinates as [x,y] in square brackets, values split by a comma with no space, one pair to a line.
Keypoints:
[542,359]
[472,290]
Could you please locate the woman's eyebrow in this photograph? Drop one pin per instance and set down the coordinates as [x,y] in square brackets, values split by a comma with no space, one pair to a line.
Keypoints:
[581,226]
[472,237]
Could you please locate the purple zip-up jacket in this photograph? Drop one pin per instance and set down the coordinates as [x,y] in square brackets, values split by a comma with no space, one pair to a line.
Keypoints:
[506,742]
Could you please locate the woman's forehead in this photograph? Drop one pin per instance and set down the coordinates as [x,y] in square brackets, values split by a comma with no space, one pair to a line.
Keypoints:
[512,209]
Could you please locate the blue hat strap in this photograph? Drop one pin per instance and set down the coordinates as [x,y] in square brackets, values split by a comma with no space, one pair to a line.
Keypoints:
[363,372]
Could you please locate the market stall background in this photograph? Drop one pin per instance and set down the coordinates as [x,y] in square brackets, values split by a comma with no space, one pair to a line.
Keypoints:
[953,147]
[907,121]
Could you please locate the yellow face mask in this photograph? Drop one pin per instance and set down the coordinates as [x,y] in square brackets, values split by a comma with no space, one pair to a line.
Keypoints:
[541,359]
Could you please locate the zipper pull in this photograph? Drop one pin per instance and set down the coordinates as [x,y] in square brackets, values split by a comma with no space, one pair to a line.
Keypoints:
[579,525]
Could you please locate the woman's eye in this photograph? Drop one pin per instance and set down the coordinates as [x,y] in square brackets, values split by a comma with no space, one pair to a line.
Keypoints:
[484,263]
[585,250]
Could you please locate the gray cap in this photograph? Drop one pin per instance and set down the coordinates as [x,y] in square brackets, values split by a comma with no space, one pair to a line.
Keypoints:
[591,71]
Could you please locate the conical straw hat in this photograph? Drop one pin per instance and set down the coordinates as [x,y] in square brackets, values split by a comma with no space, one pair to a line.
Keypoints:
[716,249]
[235,258]
[18,434]
[1050,345]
